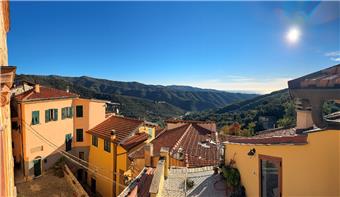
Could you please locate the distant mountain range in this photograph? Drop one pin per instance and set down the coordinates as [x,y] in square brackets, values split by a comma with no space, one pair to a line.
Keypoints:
[151,102]
[275,107]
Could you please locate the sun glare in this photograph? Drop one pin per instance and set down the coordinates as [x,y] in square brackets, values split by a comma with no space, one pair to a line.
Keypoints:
[293,35]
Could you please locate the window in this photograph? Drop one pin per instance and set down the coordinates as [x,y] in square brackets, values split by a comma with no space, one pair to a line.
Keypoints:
[107,145]
[150,132]
[79,111]
[95,141]
[270,175]
[81,155]
[51,115]
[80,135]
[68,141]
[35,117]
[66,112]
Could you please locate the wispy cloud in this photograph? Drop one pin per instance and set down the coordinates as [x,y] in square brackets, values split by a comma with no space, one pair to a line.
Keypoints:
[261,86]
[334,55]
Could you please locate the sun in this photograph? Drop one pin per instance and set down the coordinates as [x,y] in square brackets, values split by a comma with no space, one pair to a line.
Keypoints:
[293,35]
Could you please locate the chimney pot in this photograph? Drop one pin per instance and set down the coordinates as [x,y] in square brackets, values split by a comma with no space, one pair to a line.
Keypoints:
[113,134]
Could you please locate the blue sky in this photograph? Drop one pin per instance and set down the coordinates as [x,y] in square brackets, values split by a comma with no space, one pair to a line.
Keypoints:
[237,46]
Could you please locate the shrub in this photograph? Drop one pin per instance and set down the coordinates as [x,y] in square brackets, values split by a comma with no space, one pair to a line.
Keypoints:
[231,175]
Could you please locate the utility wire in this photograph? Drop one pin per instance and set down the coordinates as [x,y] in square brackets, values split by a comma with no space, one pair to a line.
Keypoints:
[71,159]
[77,158]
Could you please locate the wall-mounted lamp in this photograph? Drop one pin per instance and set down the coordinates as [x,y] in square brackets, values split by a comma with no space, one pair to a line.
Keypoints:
[252,152]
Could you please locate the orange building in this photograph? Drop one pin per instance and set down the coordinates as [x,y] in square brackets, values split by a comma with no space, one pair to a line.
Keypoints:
[112,141]
[300,161]
[7,73]
[48,122]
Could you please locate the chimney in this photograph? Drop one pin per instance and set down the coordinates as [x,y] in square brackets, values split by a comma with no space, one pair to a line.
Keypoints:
[113,134]
[164,152]
[37,88]
[303,115]
[148,153]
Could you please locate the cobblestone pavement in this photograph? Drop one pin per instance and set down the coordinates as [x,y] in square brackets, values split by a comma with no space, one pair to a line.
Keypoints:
[205,183]
[46,185]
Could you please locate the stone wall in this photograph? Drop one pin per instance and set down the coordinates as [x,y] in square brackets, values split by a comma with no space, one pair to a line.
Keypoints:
[71,179]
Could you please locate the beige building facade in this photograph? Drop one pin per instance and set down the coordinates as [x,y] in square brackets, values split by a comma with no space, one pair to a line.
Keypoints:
[7,73]
[49,123]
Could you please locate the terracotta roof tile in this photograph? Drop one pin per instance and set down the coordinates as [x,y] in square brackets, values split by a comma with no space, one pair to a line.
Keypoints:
[135,140]
[196,144]
[142,185]
[326,78]
[123,127]
[44,93]
[274,136]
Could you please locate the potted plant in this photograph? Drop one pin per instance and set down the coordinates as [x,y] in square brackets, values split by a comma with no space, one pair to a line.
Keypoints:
[232,177]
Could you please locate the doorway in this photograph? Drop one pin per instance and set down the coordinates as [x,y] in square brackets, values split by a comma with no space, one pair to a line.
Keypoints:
[93,185]
[37,166]
[80,175]
[270,169]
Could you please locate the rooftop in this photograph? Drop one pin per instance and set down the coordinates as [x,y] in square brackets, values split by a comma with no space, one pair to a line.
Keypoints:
[45,93]
[191,143]
[124,128]
[310,92]
[141,184]
[272,136]
[327,78]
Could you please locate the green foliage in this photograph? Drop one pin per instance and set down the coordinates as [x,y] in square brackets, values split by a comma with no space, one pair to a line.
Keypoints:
[231,175]
[276,105]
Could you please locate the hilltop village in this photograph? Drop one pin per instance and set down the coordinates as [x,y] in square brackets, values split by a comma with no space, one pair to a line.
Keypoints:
[56,143]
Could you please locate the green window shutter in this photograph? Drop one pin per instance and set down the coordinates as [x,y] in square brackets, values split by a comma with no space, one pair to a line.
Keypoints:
[35,117]
[47,115]
[107,146]
[70,112]
[55,114]
[94,141]
[63,113]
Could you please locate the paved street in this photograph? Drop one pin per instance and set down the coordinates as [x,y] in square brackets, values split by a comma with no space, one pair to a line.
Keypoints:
[205,183]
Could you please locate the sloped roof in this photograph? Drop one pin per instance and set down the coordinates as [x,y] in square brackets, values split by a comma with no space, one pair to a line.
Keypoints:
[195,143]
[273,136]
[45,93]
[135,140]
[327,78]
[123,127]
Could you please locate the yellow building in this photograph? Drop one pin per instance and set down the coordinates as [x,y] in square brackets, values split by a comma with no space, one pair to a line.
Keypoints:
[48,121]
[112,141]
[300,161]
[7,73]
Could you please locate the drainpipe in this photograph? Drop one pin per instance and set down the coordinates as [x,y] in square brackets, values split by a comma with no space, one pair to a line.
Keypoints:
[114,169]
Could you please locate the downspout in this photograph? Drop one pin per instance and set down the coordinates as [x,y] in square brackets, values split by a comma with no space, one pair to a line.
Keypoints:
[114,169]
[23,138]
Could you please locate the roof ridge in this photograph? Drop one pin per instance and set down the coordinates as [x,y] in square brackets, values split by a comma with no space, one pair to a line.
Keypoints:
[181,138]
[166,130]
